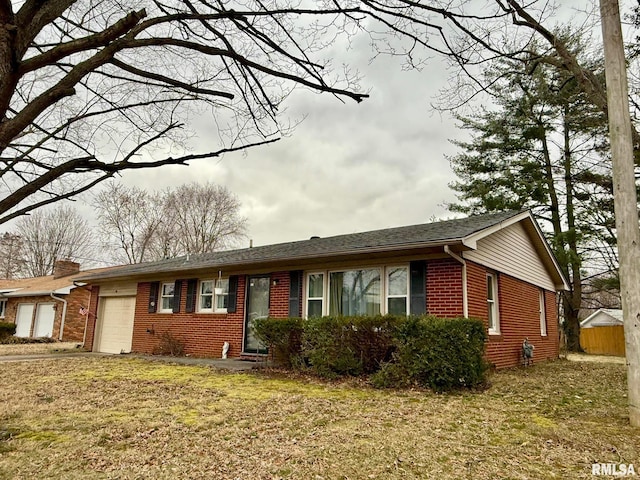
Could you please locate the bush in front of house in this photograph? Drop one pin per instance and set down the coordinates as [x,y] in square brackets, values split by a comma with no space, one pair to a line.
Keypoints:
[441,354]
[7,329]
[338,346]
[283,338]
[170,345]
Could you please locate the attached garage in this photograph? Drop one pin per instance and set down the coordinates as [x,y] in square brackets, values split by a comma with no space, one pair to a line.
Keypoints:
[116,324]
[116,309]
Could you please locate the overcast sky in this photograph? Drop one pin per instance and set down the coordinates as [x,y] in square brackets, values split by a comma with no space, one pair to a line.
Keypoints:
[346,168]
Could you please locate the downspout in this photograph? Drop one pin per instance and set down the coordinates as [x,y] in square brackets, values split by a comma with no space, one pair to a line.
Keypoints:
[465,300]
[64,314]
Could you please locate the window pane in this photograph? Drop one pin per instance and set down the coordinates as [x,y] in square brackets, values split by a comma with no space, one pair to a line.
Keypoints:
[205,302]
[398,306]
[316,285]
[489,287]
[397,281]
[167,303]
[354,292]
[314,308]
[167,289]
[206,287]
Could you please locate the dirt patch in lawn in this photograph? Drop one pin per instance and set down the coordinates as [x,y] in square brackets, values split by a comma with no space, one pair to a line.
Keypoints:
[126,418]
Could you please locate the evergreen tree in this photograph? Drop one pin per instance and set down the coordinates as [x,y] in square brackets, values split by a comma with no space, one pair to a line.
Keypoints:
[543,147]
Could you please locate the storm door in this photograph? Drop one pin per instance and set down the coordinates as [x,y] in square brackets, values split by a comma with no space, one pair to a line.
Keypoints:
[257,307]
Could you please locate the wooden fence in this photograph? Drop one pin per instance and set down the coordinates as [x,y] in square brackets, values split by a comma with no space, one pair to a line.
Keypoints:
[603,340]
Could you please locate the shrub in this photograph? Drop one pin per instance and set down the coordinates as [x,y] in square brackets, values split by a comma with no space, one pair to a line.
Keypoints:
[11,340]
[282,336]
[7,329]
[169,345]
[441,354]
[335,346]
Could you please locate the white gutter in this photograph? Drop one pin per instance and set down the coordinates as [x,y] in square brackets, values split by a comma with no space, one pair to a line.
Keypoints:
[64,313]
[465,300]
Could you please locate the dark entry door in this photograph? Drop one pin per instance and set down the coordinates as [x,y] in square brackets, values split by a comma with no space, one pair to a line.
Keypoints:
[257,307]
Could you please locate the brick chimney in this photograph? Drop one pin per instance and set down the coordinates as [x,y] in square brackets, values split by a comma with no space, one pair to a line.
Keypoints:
[62,268]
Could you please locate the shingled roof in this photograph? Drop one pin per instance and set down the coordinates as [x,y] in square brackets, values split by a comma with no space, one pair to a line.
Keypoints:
[389,239]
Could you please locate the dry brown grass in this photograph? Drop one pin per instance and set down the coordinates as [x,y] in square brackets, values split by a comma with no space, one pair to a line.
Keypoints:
[38,348]
[110,417]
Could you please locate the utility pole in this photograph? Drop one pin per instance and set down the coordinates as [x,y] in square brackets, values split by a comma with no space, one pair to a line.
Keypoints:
[624,192]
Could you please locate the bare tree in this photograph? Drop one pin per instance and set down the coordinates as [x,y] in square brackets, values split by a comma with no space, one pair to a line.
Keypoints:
[49,235]
[204,217]
[130,217]
[90,88]
[192,218]
[11,261]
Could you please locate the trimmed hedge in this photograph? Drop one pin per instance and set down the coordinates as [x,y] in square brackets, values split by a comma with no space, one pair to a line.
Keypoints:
[441,354]
[7,329]
[282,336]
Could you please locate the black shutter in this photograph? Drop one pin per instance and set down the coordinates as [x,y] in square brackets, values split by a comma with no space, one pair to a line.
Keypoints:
[233,294]
[192,294]
[295,288]
[418,284]
[153,296]
[177,291]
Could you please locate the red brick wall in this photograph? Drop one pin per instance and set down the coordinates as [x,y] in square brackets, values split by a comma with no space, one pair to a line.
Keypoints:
[203,333]
[92,318]
[444,288]
[518,309]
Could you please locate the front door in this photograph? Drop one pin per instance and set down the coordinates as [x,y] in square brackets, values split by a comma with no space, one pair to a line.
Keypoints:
[257,307]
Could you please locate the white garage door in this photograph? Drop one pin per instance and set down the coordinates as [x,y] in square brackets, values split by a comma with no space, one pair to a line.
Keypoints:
[24,316]
[45,315]
[116,329]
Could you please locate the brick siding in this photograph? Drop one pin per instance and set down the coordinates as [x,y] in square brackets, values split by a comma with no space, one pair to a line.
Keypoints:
[205,333]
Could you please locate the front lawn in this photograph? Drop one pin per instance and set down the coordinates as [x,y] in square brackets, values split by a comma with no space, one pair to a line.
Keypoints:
[112,417]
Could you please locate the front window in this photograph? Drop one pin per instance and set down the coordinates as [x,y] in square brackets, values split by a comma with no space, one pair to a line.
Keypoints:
[492,303]
[397,289]
[3,308]
[315,294]
[355,292]
[166,297]
[214,295]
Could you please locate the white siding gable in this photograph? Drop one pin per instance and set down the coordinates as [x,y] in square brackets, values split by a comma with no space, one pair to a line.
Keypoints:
[511,251]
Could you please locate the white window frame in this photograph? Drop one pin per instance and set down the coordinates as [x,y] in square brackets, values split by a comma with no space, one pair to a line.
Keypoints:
[3,307]
[493,310]
[384,288]
[543,313]
[214,297]
[162,296]
[322,299]
[387,295]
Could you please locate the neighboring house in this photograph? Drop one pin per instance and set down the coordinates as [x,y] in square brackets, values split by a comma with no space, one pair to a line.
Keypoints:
[604,317]
[47,306]
[495,267]
[602,333]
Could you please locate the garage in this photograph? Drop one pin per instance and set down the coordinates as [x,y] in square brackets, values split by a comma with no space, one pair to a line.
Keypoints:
[45,316]
[116,325]
[24,317]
